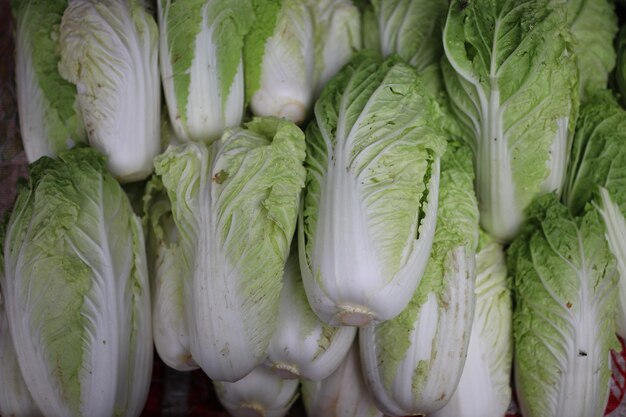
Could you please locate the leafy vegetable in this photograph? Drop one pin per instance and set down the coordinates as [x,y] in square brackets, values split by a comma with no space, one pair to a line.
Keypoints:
[303,346]
[414,361]
[76,290]
[369,208]
[235,206]
[342,394]
[594,25]
[15,400]
[260,393]
[337,37]
[201,45]
[411,29]
[597,174]
[563,321]
[109,51]
[294,47]
[512,79]
[167,274]
[50,119]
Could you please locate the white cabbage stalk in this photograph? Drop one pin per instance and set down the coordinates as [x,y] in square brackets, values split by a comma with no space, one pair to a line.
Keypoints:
[343,393]
[235,206]
[411,29]
[76,290]
[169,327]
[484,388]
[512,79]
[303,346]
[109,50]
[563,323]
[261,393]
[413,362]
[15,399]
[369,209]
[294,47]
[201,63]
[50,120]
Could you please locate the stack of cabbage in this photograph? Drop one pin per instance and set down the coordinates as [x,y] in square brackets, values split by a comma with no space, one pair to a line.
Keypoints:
[384,202]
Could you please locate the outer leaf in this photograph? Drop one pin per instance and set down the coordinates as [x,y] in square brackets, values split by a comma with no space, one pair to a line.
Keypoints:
[484,388]
[411,29]
[413,362]
[76,290]
[260,393]
[303,346]
[235,206]
[597,174]
[167,275]
[109,50]
[201,46]
[50,120]
[512,79]
[342,394]
[594,25]
[369,209]
[563,321]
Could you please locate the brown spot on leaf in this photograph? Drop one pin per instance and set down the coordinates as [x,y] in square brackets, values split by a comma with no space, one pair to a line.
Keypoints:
[220,177]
